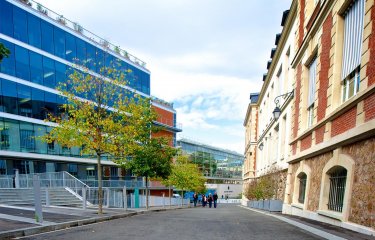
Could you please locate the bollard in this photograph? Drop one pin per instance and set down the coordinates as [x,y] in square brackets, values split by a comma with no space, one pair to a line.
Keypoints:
[163,200]
[47,197]
[107,205]
[17,179]
[84,197]
[37,200]
[125,197]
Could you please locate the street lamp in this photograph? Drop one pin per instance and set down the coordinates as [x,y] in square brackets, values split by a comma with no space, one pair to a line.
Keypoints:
[260,146]
[277,111]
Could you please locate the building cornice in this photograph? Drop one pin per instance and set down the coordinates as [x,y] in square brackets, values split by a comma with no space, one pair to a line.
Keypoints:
[318,22]
[283,39]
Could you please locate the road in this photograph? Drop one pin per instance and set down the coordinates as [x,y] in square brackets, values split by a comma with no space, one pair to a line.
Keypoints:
[225,222]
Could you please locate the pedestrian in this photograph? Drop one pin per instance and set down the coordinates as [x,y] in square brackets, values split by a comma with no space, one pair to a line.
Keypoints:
[215,199]
[210,199]
[204,200]
[222,196]
[195,199]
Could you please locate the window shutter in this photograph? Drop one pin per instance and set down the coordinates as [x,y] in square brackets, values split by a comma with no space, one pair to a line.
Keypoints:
[352,38]
[312,83]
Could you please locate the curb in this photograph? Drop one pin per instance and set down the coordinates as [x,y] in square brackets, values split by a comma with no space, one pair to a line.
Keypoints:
[23,232]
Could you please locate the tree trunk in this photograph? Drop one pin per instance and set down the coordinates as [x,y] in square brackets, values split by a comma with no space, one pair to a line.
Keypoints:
[146,192]
[100,192]
[182,198]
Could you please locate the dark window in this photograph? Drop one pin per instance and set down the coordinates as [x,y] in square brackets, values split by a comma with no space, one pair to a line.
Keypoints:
[49,72]
[337,179]
[5,138]
[73,169]
[70,52]
[27,139]
[20,24]
[24,100]
[50,104]
[302,177]
[3,167]
[35,34]
[22,63]
[9,96]
[8,64]
[38,103]
[59,36]
[6,18]
[47,37]
[36,68]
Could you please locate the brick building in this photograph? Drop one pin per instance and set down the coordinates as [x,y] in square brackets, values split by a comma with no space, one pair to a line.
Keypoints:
[331,140]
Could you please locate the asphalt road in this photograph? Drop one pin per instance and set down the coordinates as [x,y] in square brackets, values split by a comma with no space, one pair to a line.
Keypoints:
[225,222]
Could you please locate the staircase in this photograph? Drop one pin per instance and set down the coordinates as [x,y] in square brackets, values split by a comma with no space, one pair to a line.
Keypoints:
[59,196]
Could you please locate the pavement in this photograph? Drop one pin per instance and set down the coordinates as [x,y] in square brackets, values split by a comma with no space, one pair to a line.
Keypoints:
[18,222]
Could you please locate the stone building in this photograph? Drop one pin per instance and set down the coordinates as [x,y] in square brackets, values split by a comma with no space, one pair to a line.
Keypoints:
[328,47]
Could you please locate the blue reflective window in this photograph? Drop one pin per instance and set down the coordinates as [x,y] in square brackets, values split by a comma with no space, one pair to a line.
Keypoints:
[20,24]
[50,103]
[9,96]
[90,57]
[24,100]
[6,18]
[60,73]
[99,60]
[59,36]
[70,47]
[37,97]
[7,66]
[49,72]
[47,37]
[36,68]
[108,60]
[35,33]
[81,51]
[22,63]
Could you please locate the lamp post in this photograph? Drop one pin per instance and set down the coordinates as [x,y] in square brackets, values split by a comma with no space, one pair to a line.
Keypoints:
[277,111]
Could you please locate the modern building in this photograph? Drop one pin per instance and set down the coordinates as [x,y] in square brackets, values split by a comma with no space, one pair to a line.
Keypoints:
[331,161]
[44,45]
[217,164]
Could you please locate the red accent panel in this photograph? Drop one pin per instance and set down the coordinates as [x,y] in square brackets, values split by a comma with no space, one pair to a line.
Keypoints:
[306,142]
[369,107]
[301,22]
[344,122]
[319,134]
[296,106]
[370,72]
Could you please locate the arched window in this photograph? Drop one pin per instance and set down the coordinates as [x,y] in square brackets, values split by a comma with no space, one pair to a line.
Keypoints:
[302,178]
[337,180]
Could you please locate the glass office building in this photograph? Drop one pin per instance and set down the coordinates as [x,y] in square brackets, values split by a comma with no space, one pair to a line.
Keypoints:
[44,48]
[217,165]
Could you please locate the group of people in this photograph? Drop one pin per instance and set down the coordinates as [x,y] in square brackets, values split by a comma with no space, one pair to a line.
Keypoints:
[206,199]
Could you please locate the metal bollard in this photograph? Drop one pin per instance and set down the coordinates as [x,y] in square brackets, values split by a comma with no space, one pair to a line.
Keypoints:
[38,201]
[47,197]
[84,197]
[125,198]
[163,200]
[107,205]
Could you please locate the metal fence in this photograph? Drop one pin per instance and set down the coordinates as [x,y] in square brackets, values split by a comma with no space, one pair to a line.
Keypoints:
[337,190]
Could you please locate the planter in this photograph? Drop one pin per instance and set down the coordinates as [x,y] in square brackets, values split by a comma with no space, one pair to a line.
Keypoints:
[266,205]
[276,206]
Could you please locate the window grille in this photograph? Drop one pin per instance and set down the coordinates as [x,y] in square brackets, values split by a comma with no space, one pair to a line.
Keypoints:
[337,189]
[302,188]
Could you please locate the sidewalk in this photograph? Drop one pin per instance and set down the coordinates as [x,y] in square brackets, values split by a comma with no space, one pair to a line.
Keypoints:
[324,230]
[18,221]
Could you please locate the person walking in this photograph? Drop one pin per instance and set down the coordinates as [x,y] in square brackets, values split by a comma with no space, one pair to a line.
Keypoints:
[215,199]
[195,199]
[210,199]
[204,200]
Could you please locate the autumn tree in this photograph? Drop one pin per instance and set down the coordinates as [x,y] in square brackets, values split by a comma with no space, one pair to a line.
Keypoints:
[185,176]
[151,158]
[101,116]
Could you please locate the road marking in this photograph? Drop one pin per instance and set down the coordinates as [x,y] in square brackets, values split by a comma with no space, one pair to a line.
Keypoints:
[305,227]
[24,219]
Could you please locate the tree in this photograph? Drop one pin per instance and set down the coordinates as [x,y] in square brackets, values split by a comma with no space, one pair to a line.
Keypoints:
[4,52]
[185,175]
[151,158]
[101,116]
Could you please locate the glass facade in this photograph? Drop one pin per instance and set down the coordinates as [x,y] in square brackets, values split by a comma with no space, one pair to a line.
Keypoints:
[213,162]
[29,29]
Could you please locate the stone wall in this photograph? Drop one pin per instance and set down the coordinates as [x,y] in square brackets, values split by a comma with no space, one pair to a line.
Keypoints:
[362,203]
[282,184]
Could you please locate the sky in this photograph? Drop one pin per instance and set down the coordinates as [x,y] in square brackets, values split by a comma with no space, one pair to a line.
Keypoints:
[205,56]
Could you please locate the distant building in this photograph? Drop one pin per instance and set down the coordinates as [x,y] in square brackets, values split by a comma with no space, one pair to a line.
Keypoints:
[217,165]
[43,46]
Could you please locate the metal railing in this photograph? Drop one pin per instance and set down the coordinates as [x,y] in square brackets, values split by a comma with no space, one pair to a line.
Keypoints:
[84,32]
